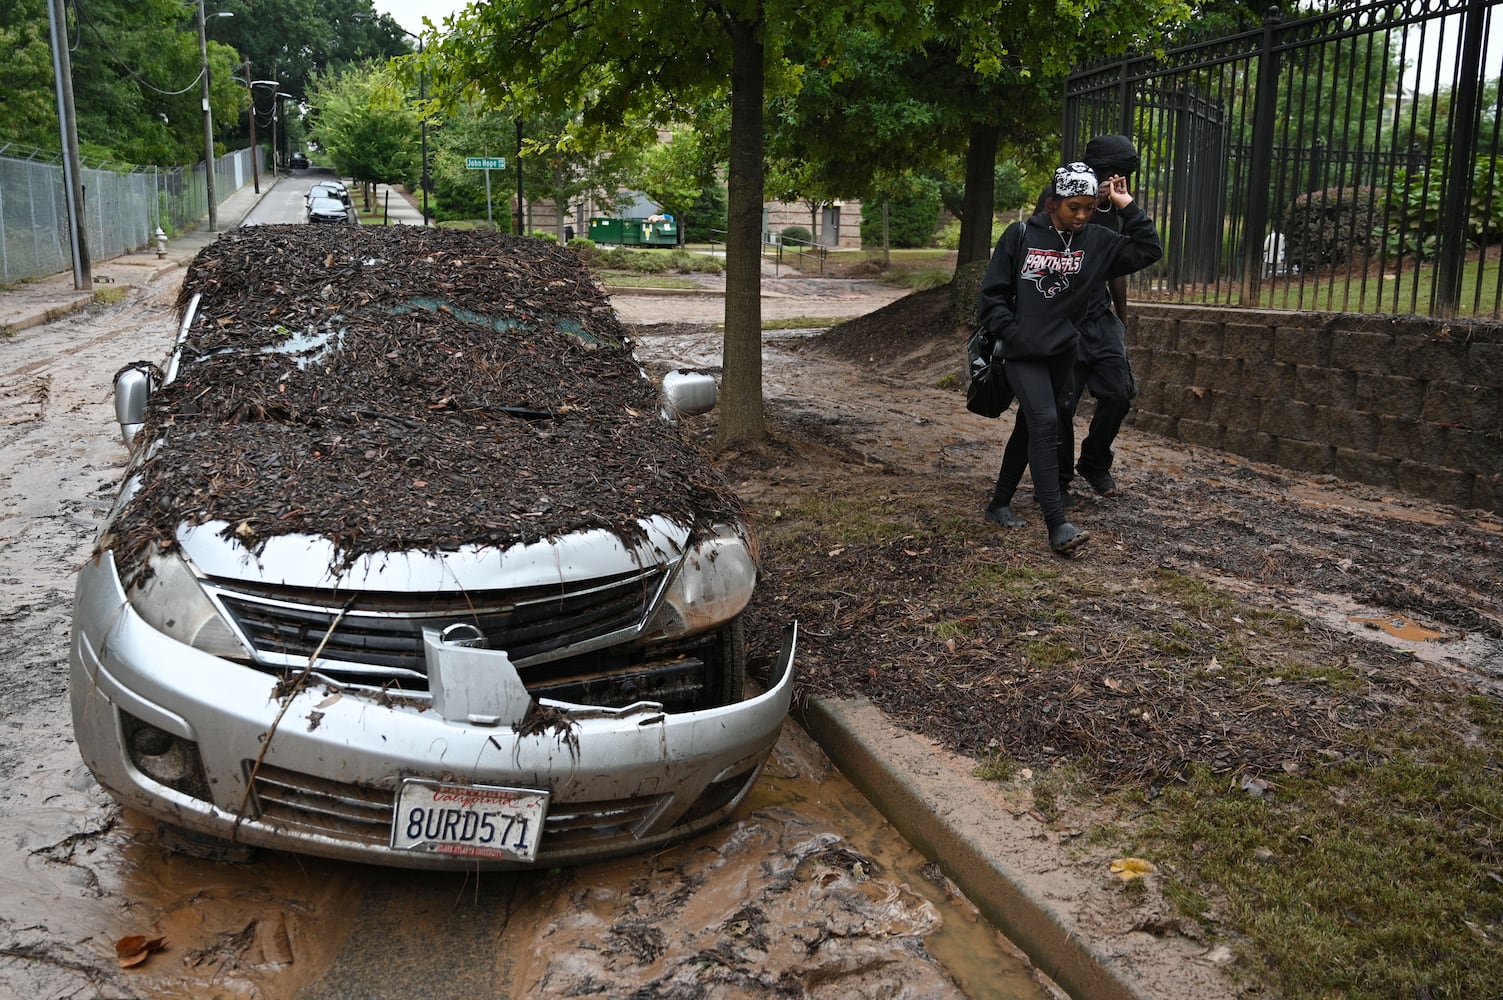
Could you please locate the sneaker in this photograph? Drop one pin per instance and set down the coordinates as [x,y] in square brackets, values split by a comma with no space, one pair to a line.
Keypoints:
[1067,538]
[1102,482]
[1002,514]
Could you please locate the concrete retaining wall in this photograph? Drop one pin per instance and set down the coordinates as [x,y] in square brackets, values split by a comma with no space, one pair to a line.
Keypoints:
[1398,402]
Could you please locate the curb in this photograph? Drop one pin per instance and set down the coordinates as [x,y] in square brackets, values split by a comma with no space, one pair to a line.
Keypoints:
[632,290]
[1046,936]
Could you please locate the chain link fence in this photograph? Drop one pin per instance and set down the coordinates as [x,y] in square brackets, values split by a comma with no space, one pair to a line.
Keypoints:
[122,208]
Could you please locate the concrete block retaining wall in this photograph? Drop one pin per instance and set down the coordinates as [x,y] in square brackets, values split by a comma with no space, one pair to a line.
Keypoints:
[1399,402]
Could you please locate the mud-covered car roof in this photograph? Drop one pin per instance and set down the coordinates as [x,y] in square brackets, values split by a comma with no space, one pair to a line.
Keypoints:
[395,388]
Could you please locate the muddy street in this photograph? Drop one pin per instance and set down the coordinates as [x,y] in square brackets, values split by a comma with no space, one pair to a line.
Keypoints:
[805,892]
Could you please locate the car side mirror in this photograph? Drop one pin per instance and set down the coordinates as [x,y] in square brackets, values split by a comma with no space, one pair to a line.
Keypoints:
[687,394]
[133,387]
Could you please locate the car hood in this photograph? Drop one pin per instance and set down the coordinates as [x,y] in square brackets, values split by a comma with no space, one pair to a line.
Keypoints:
[314,562]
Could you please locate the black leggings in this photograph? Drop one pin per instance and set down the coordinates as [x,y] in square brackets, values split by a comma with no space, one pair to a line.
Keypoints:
[1043,387]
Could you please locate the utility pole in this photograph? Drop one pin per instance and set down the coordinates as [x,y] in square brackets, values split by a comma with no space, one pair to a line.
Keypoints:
[520,230]
[250,94]
[67,123]
[203,56]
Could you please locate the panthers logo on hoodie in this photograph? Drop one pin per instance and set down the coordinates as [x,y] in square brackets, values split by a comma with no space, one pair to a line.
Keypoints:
[1049,270]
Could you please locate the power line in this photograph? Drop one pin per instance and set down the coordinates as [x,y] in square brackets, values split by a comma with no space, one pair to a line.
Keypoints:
[84,18]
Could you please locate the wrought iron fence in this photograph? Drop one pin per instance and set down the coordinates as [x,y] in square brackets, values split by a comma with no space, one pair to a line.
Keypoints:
[1341,156]
[122,208]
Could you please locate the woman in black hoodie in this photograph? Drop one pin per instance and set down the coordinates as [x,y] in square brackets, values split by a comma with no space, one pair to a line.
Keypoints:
[1042,278]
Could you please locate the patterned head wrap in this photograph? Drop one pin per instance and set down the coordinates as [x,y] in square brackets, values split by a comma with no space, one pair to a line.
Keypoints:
[1073,180]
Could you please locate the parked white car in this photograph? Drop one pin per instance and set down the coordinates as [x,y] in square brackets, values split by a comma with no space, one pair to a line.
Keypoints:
[412,565]
[327,189]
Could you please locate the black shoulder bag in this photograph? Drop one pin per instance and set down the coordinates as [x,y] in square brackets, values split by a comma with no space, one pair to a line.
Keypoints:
[987,393]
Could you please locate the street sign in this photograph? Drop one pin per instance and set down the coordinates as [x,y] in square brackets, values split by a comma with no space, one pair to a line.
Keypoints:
[485,163]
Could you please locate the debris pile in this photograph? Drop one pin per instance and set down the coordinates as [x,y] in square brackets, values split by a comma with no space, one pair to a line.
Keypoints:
[403,388]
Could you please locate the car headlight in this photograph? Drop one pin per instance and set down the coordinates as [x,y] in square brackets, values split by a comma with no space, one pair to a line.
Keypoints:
[713,584]
[167,596]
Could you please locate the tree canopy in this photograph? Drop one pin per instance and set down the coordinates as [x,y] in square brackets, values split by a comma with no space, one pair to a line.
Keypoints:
[363,123]
[860,95]
[137,68]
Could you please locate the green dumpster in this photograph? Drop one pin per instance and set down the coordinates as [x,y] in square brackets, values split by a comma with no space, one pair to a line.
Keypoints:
[603,230]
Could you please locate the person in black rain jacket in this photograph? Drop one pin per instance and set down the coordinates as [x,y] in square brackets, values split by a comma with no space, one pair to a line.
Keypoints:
[1043,277]
[1101,359]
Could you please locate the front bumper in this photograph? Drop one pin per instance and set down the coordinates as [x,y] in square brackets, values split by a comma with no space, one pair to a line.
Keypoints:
[317,772]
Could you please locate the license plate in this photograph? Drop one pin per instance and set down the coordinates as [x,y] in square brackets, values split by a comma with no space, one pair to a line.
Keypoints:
[480,821]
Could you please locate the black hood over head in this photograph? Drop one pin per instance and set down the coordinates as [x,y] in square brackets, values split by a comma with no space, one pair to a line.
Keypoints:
[1108,155]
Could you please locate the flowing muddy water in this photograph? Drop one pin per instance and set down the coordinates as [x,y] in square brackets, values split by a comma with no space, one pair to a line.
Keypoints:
[806,891]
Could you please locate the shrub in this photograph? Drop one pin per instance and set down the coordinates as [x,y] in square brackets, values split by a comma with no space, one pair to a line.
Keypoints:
[911,222]
[583,244]
[1335,226]
[1415,214]
[797,235]
[539,234]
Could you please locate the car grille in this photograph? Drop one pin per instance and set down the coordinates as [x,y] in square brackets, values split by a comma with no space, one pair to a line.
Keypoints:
[350,813]
[570,643]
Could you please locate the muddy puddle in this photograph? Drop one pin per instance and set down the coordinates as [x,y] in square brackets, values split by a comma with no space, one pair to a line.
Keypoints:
[806,892]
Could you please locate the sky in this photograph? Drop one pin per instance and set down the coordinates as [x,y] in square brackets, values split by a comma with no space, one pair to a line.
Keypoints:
[409,13]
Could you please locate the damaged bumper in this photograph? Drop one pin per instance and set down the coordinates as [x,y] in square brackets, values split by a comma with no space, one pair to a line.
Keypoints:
[232,753]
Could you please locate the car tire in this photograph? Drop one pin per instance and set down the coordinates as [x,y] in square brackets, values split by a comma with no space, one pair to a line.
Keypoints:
[734,665]
[202,846]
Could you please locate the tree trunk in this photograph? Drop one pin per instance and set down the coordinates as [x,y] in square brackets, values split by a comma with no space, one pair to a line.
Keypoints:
[741,413]
[980,192]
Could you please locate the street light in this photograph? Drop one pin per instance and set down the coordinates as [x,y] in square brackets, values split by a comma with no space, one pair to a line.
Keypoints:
[203,55]
[422,99]
[276,113]
[250,86]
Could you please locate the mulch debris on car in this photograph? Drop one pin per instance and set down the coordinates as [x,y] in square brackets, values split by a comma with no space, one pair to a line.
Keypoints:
[402,388]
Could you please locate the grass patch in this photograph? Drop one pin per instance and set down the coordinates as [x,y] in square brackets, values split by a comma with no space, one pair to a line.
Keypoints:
[1376,877]
[804,323]
[842,522]
[109,295]
[633,279]
[919,279]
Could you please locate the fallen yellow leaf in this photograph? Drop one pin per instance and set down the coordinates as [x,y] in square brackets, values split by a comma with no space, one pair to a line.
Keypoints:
[1128,869]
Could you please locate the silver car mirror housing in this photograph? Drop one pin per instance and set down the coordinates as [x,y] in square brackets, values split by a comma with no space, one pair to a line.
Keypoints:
[133,388]
[687,394]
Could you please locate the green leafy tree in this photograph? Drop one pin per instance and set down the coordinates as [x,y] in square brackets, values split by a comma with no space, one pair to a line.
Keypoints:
[908,222]
[875,122]
[364,124]
[136,80]
[676,173]
[626,66]
[293,41]
[26,80]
